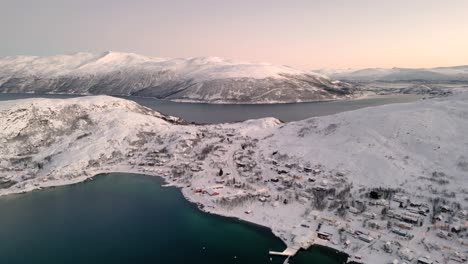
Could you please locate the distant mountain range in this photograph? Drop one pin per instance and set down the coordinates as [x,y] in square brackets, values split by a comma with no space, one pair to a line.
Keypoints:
[440,74]
[203,79]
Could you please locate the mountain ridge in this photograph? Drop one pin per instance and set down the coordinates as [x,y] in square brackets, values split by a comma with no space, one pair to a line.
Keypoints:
[197,79]
[452,73]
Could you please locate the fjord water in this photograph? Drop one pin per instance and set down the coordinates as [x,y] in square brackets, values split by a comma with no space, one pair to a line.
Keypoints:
[124,218]
[221,113]
[129,218]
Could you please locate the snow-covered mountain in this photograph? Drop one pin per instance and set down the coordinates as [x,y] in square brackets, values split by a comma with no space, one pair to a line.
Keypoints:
[284,176]
[203,79]
[440,74]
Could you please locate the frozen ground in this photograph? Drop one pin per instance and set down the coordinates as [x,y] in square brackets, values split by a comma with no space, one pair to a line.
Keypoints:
[382,184]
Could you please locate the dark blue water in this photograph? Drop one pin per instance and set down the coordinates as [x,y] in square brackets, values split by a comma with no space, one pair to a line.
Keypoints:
[128,218]
[220,113]
[131,219]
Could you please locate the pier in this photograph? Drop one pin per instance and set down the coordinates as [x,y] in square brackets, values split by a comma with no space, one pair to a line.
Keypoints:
[303,241]
[288,252]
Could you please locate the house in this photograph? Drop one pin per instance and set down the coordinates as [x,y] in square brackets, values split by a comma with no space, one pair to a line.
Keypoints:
[400,198]
[445,209]
[424,260]
[282,171]
[404,225]
[411,218]
[415,204]
[365,238]
[387,247]
[212,192]
[406,254]
[324,235]
[353,210]
[369,215]
[402,233]
[443,234]
[457,257]
[325,232]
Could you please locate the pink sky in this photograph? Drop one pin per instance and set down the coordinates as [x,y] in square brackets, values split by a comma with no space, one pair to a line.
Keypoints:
[307,34]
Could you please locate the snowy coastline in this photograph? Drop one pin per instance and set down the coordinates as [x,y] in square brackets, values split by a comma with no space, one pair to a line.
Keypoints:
[298,179]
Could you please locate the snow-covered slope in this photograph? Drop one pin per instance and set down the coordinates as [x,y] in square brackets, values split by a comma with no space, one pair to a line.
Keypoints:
[440,74]
[274,171]
[205,79]
[380,146]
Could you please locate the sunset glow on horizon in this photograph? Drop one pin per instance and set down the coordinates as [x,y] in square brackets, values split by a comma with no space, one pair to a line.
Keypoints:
[306,34]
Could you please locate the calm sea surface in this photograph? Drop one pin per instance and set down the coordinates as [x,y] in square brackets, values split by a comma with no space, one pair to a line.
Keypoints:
[220,113]
[125,218]
[128,218]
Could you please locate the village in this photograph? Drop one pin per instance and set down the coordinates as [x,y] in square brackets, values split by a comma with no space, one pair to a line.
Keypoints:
[369,224]
[250,171]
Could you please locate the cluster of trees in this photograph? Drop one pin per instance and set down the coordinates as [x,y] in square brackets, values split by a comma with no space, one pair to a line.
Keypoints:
[236,201]
[205,151]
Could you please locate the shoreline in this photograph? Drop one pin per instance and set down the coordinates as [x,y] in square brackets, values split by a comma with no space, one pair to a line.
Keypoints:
[167,184]
[306,194]
[363,96]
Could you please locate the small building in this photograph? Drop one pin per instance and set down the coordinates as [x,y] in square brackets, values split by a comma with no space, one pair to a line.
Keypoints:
[411,218]
[402,233]
[445,209]
[212,192]
[424,260]
[325,231]
[400,198]
[365,238]
[406,254]
[415,204]
[387,247]
[340,174]
[282,171]
[353,210]
[369,215]
[324,235]
[404,225]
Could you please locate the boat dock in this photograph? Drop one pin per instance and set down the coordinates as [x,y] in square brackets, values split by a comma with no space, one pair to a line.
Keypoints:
[302,241]
[288,252]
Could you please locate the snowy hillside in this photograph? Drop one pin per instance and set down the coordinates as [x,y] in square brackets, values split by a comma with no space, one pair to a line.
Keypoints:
[204,79]
[288,177]
[440,74]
